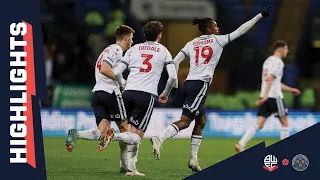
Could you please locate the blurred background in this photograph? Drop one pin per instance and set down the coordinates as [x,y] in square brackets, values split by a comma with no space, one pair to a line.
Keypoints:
[76,31]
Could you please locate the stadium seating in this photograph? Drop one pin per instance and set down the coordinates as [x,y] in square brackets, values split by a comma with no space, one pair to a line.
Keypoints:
[264,30]
[242,13]
[82,6]
[315,6]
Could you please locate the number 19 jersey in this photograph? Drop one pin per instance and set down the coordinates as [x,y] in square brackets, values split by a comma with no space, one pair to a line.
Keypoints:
[146,62]
[204,52]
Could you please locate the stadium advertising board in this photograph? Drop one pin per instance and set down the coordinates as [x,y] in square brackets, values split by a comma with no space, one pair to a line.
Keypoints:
[56,122]
[177,10]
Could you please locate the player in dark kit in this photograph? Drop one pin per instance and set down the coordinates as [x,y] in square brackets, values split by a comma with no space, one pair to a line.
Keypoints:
[107,100]
[204,52]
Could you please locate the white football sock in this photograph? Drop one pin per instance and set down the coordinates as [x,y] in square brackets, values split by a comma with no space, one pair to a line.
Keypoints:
[91,134]
[195,144]
[248,135]
[133,151]
[127,137]
[171,131]
[284,133]
[123,154]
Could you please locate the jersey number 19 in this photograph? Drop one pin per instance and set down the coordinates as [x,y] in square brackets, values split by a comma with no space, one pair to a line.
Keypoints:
[207,56]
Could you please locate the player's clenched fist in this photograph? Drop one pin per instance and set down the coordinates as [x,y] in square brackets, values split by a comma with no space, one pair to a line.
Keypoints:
[163,98]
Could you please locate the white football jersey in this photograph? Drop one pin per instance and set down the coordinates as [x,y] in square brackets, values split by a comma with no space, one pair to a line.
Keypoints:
[272,65]
[204,52]
[146,62]
[111,55]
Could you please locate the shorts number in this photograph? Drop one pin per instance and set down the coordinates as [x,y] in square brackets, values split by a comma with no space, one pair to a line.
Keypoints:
[203,55]
[146,62]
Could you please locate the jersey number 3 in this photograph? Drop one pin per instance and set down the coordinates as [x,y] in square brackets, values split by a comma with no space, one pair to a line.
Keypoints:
[204,55]
[147,58]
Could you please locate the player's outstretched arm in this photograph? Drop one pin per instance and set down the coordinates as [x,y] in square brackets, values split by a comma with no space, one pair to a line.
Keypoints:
[294,91]
[244,28]
[172,72]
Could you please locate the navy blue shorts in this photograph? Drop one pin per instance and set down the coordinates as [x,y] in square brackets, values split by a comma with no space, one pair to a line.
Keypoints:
[108,106]
[139,106]
[273,106]
[195,94]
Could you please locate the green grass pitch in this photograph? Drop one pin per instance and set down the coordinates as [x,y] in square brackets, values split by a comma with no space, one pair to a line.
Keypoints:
[86,162]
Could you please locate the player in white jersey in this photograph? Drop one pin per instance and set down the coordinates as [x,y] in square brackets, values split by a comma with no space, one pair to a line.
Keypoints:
[145,62]
[271,97]
[204,53]
[107,100]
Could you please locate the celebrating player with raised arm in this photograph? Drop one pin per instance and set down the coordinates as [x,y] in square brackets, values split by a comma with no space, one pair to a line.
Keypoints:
[145,62]
[107,102]
[271,97]
[204,53]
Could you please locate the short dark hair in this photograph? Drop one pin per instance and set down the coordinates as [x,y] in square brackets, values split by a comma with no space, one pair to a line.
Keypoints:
[203,23]
[277,44]
[152,30]
[122,31]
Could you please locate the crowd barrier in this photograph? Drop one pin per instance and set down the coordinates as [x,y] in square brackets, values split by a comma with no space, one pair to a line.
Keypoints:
[220,124]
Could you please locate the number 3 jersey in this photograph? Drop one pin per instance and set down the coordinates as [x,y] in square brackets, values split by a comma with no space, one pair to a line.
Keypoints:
[272,66]
[111,55]
[146,62]
[204,52]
